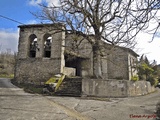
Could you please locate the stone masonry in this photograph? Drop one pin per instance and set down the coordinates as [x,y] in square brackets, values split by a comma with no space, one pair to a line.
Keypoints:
[36,67]
[44,51]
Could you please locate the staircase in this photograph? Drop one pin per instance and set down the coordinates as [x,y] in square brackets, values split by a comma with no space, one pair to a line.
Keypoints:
[70,87]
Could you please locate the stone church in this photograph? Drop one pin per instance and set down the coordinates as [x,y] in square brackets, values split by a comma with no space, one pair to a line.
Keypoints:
[43,51]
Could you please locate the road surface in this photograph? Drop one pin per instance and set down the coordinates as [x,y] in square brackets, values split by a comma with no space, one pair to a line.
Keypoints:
[15,104]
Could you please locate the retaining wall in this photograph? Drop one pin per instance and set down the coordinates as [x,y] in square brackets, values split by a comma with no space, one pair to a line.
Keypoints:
[115,88]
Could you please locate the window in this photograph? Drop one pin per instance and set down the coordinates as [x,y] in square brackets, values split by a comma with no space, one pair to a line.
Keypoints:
[33,45]
[47,45]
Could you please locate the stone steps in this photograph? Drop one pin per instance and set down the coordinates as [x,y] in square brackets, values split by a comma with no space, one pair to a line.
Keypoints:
[70,87]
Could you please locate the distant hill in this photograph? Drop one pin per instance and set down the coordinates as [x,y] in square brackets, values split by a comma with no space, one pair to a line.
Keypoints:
[7,63]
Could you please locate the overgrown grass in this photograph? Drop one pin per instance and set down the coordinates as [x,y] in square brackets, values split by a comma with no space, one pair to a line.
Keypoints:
[30,88]
[11,76]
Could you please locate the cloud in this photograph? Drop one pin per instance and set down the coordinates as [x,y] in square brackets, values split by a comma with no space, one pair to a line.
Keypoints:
[48,2]
[32,22]
[145,44]
[8,40]
[52,2]
[148,48]
[35,2]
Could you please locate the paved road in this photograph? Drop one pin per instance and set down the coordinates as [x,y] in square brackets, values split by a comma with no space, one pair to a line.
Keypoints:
[133,108]
[15,104]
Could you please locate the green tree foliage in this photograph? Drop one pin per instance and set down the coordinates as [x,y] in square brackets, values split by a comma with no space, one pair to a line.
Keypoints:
[148,71]
[135,78]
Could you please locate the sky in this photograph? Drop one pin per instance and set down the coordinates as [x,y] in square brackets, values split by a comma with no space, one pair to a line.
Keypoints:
[19,10]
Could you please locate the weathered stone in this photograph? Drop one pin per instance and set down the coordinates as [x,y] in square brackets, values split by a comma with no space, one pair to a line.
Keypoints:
[67,51]
[39,68]
[115,88]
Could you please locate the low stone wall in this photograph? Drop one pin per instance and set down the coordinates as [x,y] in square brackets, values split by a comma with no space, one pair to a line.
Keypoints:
[139,88]
[115,88]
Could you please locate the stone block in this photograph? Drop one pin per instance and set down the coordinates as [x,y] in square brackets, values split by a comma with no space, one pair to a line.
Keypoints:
[69,71]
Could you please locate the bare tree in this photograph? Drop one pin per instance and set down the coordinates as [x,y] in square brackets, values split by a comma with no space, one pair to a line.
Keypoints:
[116,22]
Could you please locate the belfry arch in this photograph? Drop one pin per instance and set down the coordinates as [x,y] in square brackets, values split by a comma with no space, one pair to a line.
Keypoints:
[47,45]
[32,45]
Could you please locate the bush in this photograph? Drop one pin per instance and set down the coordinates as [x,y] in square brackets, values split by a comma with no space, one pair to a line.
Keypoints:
[156,82]
[152,80]
[135,78]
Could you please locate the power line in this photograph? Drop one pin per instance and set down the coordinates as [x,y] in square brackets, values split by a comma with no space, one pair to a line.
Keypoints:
[11,19]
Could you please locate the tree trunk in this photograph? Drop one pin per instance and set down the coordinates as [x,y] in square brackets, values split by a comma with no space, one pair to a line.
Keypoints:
[97,67]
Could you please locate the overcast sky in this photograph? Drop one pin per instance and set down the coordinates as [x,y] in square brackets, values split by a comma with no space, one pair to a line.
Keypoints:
[19,10]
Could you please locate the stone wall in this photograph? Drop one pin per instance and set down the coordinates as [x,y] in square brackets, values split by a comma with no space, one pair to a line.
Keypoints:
[83,48]
[139,88]
[39,68]
[120,61]
[36,70]
[115,88]
[118,64]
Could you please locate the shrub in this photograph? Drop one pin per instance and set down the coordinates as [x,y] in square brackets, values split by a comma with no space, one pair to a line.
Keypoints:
[135,78]
[156,82]
[152,80]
